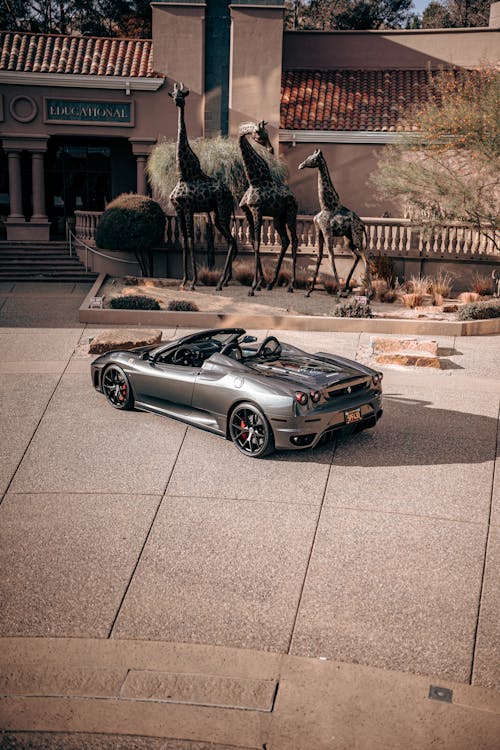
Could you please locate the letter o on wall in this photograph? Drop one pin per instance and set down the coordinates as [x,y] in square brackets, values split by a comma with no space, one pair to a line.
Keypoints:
[23,108]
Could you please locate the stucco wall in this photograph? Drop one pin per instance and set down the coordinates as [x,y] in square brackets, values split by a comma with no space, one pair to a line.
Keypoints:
[350,167]
[376,50]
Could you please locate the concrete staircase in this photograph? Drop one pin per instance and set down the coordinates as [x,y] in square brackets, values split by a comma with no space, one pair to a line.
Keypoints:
[41,261]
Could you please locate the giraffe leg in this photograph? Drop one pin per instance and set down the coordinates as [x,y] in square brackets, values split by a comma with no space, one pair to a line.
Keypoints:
[232,250]
[190,233]
[292,226]
[280,226]
[330,240]
[181,219]
[258,274]
[321,247]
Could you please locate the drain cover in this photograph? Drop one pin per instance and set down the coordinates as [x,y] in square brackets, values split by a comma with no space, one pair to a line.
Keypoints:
[437,693]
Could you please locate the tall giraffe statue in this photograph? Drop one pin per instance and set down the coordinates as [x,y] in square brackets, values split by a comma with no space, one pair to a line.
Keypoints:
[266,197]
[197,193]
[335,220]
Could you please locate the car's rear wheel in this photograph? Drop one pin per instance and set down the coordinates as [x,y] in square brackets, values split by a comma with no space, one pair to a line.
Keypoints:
[116,388]
[250,431]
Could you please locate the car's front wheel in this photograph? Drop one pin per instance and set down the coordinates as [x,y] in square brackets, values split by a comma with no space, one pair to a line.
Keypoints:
[116,388]
[250,431]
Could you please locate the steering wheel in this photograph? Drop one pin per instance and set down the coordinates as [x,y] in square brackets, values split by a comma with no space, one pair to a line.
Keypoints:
[269,346]
[183,356]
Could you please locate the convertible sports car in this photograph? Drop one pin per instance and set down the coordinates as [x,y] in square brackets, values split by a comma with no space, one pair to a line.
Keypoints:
[262,397]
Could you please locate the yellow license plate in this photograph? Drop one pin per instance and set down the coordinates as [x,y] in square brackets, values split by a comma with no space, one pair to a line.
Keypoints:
[352,416]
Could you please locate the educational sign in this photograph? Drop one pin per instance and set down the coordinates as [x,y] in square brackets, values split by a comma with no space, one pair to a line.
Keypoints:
[83,112]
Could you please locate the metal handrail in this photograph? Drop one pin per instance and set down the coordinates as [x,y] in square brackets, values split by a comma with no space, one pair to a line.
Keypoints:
[73,238]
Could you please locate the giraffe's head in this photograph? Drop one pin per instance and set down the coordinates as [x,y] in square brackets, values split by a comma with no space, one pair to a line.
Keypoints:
[261,136]
[179,94]
[312,161]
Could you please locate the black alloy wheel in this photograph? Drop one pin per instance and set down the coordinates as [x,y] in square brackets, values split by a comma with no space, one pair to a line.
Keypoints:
[250,431]
[116,388]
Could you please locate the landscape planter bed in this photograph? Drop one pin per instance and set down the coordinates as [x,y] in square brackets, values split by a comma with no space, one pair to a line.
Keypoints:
[278,321]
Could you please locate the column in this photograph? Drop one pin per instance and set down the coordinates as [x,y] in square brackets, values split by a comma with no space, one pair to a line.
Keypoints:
[142,185]
[15,193]
[38,183]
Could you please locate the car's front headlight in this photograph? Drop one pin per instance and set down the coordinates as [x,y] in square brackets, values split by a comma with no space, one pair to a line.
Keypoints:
[377,378]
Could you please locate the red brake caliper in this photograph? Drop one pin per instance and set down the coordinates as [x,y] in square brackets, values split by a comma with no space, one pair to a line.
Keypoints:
[123,392]
[244,435]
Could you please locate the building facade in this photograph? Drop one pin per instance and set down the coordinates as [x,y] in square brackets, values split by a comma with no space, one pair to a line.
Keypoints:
[79,115]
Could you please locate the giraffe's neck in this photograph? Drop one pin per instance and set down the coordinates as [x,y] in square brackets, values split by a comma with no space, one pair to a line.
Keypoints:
[328,197]
[187,163]
[256,168]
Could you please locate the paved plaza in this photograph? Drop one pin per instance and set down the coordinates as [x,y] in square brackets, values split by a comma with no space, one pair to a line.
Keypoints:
[159,590]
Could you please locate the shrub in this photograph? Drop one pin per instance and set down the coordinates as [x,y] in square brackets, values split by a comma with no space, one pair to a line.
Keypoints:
[329,284]
[382,267]
[352,309]
[208,277]
[441,284]
[390,296]
[135,224]
[244,272]
[302,279]
[182,305]
[419,285]
[410,299]
[379,287]
[134,302]
[482,284]
[468,297]
[480,310]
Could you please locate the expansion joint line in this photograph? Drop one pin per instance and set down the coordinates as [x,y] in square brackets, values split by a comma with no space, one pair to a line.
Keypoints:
[2,498]
[110,632]
[306,572]
[496,457]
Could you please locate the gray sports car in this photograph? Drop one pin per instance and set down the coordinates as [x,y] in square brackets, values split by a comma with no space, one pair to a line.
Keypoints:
[262,397]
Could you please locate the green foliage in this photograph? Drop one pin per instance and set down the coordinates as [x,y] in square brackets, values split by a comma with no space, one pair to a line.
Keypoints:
[452,171]
[348,14]
[134,224]
[134,302]
[182,305]
[480,310]
[219,158]
[456,14]
[352,309]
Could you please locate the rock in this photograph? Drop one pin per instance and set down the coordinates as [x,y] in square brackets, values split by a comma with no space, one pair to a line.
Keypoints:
[397,345]
[450,308]
[123,339]
[408,360]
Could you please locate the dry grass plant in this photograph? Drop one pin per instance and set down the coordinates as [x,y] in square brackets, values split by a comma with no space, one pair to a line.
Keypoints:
[442,284]
[380,287]
[329,284]
[482,284]
[419,285]
[411,299]
[468,297]
[208,277]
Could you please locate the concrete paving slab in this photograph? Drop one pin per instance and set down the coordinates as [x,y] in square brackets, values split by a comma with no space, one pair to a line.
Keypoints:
[16,679]
[23,398]
[425,457]
[495,499]
[80,741]
[6,286]
[222,471]
[42,310]
[67,559]
[84,445]
[393,591]
[42,288]
[38,345]
[479,355]
[218,572]
[53,366]
[487,652]
[332,706]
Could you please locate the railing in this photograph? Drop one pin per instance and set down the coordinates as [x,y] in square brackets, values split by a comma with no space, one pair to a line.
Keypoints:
[392,237]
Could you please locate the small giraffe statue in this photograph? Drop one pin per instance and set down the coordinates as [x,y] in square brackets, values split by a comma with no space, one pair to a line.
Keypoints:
[266,197]
[196,192]
[335,220]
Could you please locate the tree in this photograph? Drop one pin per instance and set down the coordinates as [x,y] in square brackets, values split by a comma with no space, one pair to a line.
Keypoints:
[449,14]
[87,17]
[348,14]
[450,171]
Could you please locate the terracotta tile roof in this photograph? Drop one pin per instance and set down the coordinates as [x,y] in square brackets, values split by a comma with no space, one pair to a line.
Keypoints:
[350,99]
[55,53]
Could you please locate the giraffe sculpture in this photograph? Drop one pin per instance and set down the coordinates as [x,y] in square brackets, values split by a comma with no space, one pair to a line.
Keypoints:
[266,197]
[195,193]
[335,220]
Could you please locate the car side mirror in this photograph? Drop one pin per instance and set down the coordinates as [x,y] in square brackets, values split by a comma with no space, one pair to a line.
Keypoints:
[145,355]
[248,339]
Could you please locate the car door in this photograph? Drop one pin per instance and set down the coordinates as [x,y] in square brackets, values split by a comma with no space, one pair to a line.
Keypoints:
[166,385]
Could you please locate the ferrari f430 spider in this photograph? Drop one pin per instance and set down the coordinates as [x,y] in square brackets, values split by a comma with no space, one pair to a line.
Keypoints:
[262,397]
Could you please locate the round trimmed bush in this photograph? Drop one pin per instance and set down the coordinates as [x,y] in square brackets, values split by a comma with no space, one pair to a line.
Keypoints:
[134,302]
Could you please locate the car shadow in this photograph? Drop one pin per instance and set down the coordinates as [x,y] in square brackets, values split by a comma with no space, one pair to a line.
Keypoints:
[413,432]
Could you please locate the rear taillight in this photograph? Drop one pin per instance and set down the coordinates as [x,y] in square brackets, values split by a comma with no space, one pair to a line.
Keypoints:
[315,396]
[301,398]
[377,378]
